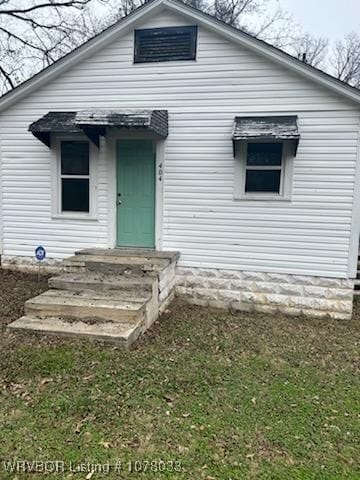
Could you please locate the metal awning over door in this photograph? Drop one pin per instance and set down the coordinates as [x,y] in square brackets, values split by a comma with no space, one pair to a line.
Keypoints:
[94,123]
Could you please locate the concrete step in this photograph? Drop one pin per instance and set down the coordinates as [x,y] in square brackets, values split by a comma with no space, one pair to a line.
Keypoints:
[130,252]
[100,282]
[123,333]
[134,295]
[119,307]
[117,264]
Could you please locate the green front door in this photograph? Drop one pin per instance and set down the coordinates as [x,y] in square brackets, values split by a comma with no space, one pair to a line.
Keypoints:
[135,161]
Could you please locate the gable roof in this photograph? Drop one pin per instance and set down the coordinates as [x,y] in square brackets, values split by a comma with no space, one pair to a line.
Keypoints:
[154,6]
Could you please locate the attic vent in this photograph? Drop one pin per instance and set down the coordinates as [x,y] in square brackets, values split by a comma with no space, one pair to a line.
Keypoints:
[165,44]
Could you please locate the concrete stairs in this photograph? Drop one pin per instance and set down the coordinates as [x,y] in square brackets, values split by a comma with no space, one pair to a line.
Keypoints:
[112,295]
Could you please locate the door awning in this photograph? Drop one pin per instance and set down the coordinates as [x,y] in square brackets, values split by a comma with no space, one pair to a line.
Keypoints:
[267,128]
[94,123]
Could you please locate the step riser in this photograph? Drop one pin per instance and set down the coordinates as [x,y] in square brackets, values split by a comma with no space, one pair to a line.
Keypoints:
[119,269]
[59,284]
[79,312]
[152,306]
[137,253]
[74,268]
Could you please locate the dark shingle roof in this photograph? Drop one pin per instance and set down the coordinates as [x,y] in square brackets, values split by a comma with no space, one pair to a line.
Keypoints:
[55,122]
[274,127]
[93,123]
[155,121]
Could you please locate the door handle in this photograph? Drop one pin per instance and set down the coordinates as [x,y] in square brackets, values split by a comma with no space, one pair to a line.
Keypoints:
[118,201]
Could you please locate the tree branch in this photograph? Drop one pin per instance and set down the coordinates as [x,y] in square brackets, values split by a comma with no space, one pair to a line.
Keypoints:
[7,77]
[66,3]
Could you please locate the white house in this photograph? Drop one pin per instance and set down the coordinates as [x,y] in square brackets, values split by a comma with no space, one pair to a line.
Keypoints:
[173,131]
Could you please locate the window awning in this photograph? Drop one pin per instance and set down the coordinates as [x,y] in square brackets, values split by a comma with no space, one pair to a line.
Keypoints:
[95,122]
[267,128]
[54,122]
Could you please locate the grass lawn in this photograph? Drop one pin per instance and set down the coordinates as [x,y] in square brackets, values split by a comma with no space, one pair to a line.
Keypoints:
[227,396]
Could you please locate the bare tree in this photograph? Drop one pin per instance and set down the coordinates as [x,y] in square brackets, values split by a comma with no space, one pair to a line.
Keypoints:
[261,18]
[345,59]
[125,7]
[32,29]
[275,27]
[310,49]
[231,11]
[199,4]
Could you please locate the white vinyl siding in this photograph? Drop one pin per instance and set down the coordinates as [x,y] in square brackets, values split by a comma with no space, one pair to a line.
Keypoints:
[309,235]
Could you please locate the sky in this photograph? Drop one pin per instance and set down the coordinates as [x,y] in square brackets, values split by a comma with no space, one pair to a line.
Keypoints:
[329,18]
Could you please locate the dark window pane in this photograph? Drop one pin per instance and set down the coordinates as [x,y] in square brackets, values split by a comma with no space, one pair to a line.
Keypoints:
[74,158]
[75,195]
[262,181]
[265,154]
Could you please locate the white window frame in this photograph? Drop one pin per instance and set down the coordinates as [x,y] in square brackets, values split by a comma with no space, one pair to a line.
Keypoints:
[286,177]
[57,176]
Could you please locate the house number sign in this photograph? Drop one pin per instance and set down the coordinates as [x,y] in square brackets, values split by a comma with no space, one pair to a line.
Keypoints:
[40,253]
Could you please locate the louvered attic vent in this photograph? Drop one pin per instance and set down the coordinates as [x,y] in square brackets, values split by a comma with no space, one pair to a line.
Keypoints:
[165,44]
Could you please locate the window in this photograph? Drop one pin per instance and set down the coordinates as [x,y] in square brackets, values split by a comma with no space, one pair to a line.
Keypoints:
[165,44]
[75,176]
[263,167]
[263,170]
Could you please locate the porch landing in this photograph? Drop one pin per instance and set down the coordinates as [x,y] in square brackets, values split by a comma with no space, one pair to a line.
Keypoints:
[113,295]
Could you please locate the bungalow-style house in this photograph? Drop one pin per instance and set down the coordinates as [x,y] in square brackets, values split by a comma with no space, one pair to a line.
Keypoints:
[174,132]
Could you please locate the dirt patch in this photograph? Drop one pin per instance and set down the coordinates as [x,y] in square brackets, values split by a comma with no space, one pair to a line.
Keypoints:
[16,288]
